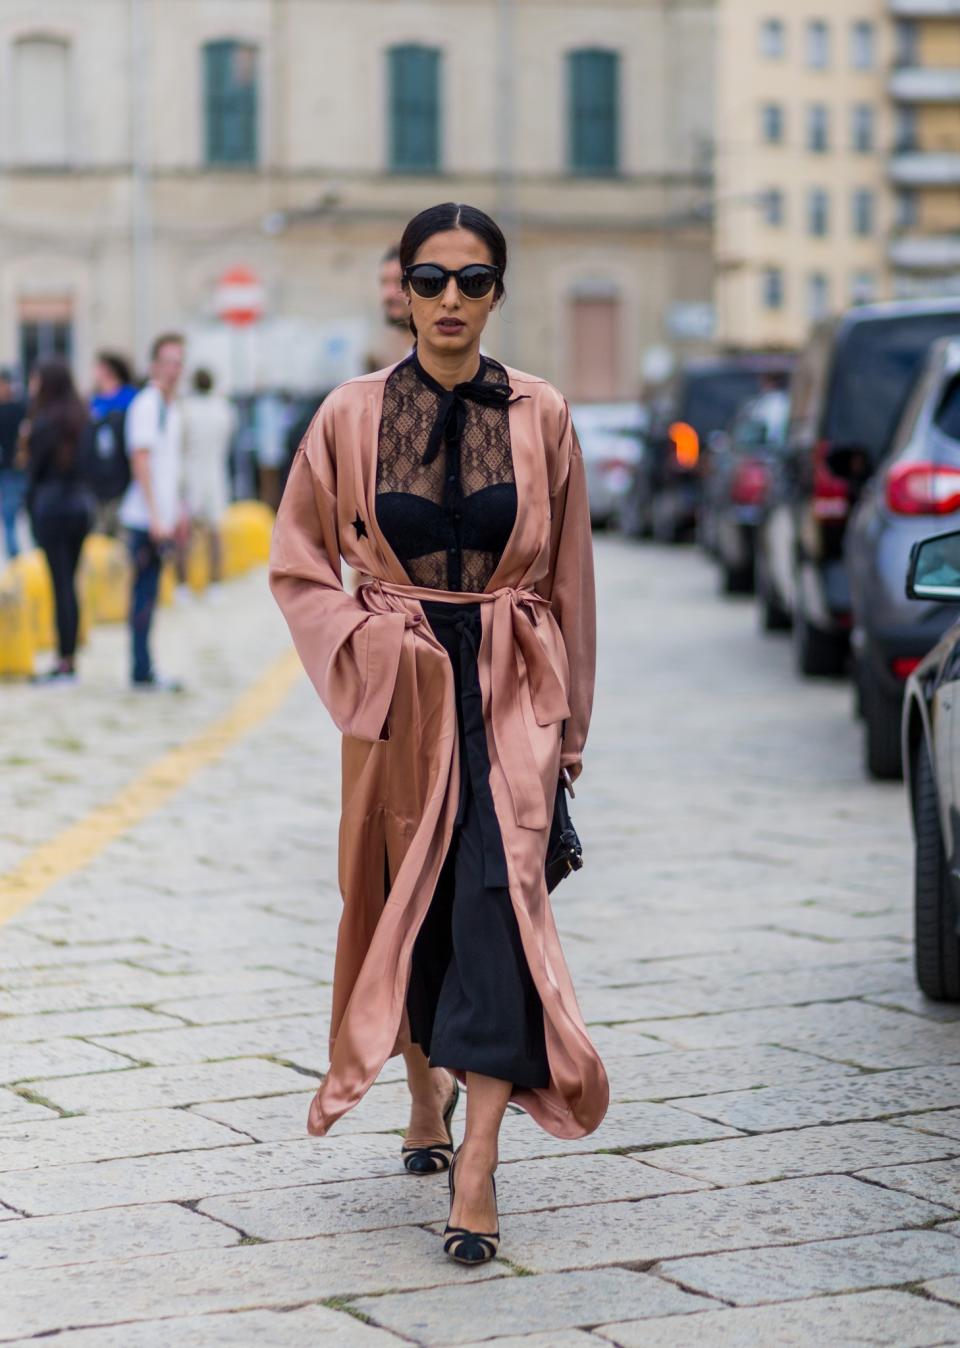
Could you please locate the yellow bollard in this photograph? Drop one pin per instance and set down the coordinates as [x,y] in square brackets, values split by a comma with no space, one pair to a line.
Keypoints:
[245,529]
[16,632]
[33,575]
[198,559]
[105,579]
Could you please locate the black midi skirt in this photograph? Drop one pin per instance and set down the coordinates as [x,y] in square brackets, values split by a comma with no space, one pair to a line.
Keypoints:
[471,1002]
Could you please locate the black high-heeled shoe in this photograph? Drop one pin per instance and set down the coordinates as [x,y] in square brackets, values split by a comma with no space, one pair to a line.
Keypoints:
[469,1247]
[437,1157]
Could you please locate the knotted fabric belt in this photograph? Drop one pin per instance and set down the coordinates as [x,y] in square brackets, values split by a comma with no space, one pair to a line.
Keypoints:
[510,617]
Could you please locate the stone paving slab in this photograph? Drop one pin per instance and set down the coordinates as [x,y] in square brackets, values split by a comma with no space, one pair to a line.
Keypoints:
[139,987]
[665,1076]
[947,1289]
[237,1007]
[303,1327]
[218,1279]
[367,1205]
[450,1315]
[283,1118]
[834,1101]
[76,1024]
[55,1141]
[778,1273]
[940,1122]
[840,1148]
[938,1181]
[626,1126]
[58,1058]
[14,1109]
[116,1233]
[155,1087]
[680,1224]
[191,1175]
[882,1319]
[559,1338]
[183,1046]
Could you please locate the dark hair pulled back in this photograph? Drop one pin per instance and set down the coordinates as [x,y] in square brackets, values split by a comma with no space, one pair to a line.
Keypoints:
[57,403]
[454,215]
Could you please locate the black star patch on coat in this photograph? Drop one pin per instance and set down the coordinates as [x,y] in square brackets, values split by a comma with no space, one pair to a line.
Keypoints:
[360,527]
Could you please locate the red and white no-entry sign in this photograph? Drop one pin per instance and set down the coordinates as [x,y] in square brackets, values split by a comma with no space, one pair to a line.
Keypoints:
[240,296]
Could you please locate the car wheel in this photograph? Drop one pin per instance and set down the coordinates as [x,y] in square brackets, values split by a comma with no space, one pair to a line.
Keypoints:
[937,949]
[818,653]
[881,725]
[773,616]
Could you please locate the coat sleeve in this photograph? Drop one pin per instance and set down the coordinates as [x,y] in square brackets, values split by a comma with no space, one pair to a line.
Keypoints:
[351,655]
[569,585]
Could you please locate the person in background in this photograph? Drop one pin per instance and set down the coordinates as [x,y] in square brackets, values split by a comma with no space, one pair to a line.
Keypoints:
[394,341]
[209,425]
[113,392]
[12,478]
[57,437]
[153,510]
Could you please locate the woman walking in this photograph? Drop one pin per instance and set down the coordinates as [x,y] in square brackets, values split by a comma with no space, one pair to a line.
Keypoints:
[60,504]
[461,676]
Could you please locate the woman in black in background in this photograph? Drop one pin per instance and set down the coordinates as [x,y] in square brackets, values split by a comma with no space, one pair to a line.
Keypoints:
[61,505]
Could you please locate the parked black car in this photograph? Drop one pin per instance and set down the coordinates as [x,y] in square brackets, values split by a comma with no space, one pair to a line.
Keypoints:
[736,486]
[930,730]
[847,394]
[904,500]
[700,400]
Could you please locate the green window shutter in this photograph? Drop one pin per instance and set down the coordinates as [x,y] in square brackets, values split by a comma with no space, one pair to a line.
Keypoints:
[593,78]
[230,103]
[414,102]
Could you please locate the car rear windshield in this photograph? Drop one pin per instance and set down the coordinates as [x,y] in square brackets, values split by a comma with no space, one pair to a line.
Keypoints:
[874,369]
[709,401]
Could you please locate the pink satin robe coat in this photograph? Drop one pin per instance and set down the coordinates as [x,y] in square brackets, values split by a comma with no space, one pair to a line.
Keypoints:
[388,685]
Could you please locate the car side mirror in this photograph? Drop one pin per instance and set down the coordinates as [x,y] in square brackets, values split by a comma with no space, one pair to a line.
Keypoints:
[934,568]
[849,462]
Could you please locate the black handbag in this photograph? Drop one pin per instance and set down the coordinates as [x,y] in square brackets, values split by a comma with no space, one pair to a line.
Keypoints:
[564,851]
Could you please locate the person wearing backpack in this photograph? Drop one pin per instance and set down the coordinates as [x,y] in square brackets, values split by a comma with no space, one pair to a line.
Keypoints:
[109,467]
[55,442]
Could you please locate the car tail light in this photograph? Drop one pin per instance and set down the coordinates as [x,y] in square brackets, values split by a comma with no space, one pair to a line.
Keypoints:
[904,665]
[750,482]
[686,444]
[923,489]
[831,497]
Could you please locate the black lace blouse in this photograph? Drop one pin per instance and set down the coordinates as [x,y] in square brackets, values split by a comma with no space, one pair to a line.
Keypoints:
[446,503]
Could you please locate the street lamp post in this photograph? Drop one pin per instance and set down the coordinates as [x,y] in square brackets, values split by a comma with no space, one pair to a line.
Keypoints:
[505,133]
[140,203]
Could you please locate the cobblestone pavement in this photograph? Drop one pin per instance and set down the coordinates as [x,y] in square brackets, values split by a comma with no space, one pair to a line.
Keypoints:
[778,1165]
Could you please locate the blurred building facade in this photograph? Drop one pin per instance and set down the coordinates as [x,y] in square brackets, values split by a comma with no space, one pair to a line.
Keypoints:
[146,146]
[803,206]
[925,164]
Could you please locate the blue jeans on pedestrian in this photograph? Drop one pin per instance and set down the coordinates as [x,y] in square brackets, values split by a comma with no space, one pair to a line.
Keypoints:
[13,486]
[147,560]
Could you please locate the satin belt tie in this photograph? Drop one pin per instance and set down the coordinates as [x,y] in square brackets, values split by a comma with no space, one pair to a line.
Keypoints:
[516,613]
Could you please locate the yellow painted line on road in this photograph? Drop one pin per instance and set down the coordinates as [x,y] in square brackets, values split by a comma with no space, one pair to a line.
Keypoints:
[78,845]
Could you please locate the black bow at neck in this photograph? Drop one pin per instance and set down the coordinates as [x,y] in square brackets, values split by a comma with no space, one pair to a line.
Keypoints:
[452,410]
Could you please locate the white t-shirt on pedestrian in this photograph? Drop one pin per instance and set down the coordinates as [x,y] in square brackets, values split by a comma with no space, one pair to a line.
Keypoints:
[154,424]
[209,425]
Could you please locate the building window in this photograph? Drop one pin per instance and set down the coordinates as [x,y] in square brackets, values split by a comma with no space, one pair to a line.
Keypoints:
[862,124]
[45,329]
[863,212]
[41,70]
[772,123]
[230,103]
[863,287]
[907,209]
[863,54]
[818,296]
[818,212]
[818,128]
[414,108]
[906,138]
[771,287]
[772,207]
[593,104]
[773,39]
[906,42]
[818,44]
[595,346]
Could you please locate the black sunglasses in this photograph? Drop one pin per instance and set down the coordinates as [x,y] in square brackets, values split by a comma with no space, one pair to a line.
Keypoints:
[429,281]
